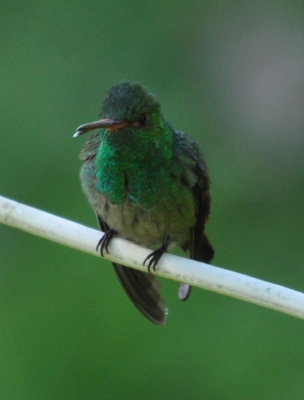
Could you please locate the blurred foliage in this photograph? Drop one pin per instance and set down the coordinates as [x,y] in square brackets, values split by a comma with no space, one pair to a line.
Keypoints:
[231,74]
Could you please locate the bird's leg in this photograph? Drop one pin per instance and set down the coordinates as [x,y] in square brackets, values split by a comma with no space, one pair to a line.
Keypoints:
[104,242]
[154,257]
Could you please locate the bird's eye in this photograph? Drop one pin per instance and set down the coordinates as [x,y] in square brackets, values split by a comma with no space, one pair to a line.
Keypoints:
[143,120]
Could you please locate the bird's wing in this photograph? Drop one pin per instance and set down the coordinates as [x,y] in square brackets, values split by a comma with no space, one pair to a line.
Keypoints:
[195,174]
[89,149]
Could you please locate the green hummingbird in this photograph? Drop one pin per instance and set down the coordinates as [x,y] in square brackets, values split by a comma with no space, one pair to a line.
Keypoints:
[147,183]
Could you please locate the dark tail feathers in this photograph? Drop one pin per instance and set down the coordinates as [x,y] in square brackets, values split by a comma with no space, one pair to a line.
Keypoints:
[144,291]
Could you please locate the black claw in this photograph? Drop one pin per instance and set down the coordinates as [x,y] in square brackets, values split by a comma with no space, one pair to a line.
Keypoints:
[103,243]
[154,257]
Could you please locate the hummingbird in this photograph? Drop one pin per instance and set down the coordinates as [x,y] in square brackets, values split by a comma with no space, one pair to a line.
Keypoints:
[148,183]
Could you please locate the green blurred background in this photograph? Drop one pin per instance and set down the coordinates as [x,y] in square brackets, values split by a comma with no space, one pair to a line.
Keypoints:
[231,74]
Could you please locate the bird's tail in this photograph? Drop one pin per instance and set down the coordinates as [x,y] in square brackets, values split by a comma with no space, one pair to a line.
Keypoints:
[144,291]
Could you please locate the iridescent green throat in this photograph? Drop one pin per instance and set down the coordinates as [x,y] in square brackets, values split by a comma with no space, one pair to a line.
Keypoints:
[133,165]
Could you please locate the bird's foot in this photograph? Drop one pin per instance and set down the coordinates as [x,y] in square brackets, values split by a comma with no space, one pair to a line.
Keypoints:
[104,242]
[153,258]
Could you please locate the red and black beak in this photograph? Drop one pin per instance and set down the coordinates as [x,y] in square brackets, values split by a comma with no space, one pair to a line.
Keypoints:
[107,123]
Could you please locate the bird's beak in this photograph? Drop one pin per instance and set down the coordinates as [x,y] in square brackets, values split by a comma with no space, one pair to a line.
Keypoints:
[106,123]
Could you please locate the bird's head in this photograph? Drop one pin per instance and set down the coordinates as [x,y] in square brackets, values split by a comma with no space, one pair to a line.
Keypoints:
[126,105]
